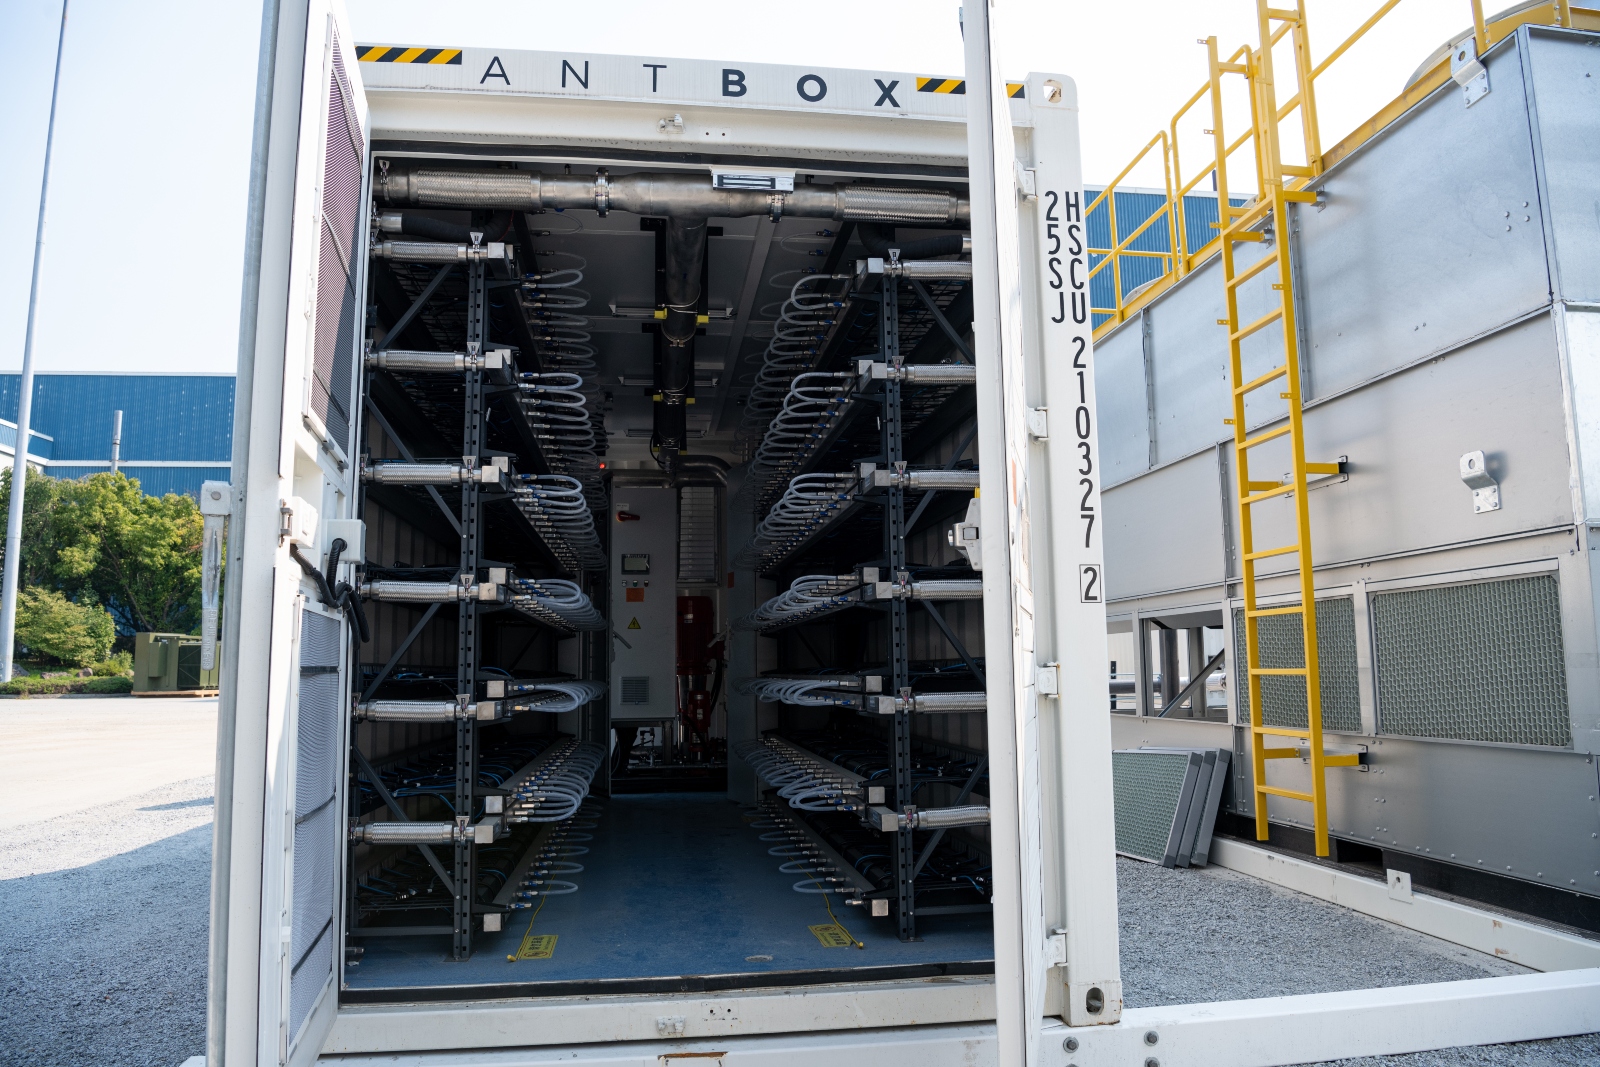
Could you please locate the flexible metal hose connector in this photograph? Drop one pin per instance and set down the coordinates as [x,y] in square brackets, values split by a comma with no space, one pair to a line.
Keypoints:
[672,195]
[404,833]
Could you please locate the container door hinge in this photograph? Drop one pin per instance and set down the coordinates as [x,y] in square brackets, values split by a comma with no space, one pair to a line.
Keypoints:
[1026,185]
[1055,948]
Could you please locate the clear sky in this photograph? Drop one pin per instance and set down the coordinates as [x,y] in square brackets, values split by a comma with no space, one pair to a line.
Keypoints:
[141,269]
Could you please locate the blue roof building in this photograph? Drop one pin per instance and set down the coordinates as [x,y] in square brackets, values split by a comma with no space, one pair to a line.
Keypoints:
[177,429]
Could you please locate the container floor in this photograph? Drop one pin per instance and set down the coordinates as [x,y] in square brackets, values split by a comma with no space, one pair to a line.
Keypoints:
[673,885]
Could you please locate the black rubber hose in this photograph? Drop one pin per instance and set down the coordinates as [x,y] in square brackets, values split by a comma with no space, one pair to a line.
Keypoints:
[879,238]
[344,596]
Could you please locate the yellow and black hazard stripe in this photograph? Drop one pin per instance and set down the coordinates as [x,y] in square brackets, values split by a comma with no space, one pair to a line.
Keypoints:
[383,53]
[958,87]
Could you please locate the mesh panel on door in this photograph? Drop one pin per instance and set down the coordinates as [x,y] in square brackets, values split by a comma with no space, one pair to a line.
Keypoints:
[307,980]
[1482,661]
[317,759]
[334,335]
[317,822]
[320,640]
[1282,644]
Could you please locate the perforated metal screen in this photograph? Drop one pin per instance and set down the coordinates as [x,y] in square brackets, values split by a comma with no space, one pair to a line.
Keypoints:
[316,822]
[1148,791]
[1482,661]
[334,340]
[1283,699]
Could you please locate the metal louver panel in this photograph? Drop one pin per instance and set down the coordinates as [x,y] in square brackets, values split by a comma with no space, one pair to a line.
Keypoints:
[1482,661]
[1152,791]
[316,815]
[334,339]
[697,534]
[1283,698]
[636,689]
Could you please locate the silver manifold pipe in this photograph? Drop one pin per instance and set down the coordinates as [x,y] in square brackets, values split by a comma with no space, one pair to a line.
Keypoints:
[884,478]
[436,251]
[436,362]
[931,589]
[672,195]
[430,592]
[920,373]
[424,710]
[890,821]
[934,703]
[931,269]
[423,833]
[394,473]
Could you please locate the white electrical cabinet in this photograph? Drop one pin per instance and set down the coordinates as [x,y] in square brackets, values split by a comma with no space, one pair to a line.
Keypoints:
[644,568]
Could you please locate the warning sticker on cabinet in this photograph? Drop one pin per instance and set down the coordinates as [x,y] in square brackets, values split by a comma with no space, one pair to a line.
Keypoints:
[634,625]
[633,596]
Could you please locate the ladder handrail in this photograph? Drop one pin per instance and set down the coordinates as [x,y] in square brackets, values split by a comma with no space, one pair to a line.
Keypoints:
[1179,258]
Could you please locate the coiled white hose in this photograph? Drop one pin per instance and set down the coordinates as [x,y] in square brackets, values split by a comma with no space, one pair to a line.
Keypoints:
[558,788]
[807,596]
[557,602]
[810,502]
[797,339]
[807,784]
[559,511]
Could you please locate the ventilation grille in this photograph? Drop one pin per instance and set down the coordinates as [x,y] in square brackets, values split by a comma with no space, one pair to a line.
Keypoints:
[636,690]
[316,822]
[1282,644]
[697,534]
[333,344]
[1477,662]
[1151,792]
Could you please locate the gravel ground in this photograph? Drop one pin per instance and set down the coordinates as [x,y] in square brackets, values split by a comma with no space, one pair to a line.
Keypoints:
[103,943]
[1190,936]
[103,947]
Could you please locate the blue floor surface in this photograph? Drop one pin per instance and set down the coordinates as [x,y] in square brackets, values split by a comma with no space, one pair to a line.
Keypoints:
[674,884]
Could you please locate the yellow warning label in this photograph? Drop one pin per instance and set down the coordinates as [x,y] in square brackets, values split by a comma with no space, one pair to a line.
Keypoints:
[382,53]
[537,947]
[832,935]
[634,625]
[958,87]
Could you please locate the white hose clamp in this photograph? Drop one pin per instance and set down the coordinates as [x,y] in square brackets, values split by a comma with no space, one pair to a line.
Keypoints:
[775,203]
[602,191]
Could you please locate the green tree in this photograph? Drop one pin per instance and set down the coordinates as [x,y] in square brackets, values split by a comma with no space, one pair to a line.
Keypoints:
[138,555]
[38,511]
[48,624]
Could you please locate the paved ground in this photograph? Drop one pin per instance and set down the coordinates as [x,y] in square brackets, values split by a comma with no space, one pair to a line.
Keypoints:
[144,743]
[104,891]
[104,880]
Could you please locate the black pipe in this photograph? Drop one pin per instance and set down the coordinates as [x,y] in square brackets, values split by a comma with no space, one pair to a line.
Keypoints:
[341,596]
[685,254]
[879,238]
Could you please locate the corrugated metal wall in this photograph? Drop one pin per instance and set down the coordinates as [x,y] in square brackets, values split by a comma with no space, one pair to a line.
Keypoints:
[167,419]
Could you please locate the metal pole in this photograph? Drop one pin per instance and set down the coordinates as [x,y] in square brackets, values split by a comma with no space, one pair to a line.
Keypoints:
[19,468]
[116,439]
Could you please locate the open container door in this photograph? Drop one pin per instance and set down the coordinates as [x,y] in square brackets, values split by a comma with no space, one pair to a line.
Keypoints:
[1055,904]
[287,631]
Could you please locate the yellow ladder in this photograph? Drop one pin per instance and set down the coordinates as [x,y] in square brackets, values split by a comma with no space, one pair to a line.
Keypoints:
[1240,225]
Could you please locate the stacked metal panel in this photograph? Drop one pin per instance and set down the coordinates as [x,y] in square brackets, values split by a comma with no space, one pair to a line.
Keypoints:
[1167,801]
